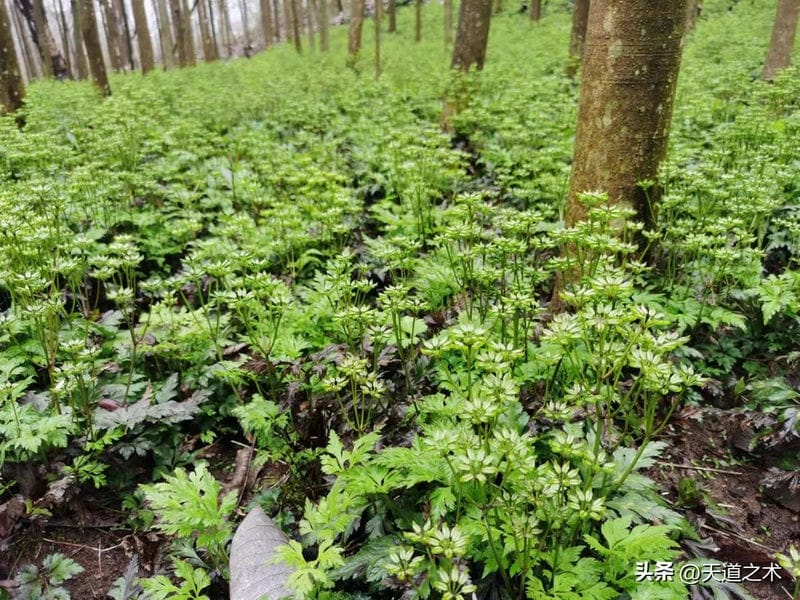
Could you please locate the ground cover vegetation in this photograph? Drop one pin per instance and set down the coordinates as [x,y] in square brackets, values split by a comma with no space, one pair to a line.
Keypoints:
[289,257]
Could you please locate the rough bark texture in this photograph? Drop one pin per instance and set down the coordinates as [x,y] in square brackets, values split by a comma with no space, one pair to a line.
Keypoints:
[12,90]
[535,12]
[165,34]
[266,23]
[39,20]
[391,11]
[354,33]
[25,42]
[324,42]
[580,16]
[209,48]
[780,44]
[473,34]
[81,66]
[448,23]
[91,39]
[179,26]
[143,36]
[417,20]
[631,62]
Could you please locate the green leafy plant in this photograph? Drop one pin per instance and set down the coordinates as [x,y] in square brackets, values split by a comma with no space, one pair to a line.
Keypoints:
[47,582]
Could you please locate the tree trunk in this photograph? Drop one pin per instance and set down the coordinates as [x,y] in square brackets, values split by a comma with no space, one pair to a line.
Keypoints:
[209,49]
[288,20]
[61,19]
[276,20]
[324,43]
[166,41]
[189,32]
[448,23]
[535,12]
[12,89]
[296,16]
[692,12]
[417,20]
[354,33]
[310,10]
[391,11]
[94,51]
[81,67]
[378,15]
[779,54]
[266,23]
[212,21]
[39,21]
[126,49]
[498,7]
[179,27]
[143,36]
[631,63]
[27,47]
[472,35]
[113,41]
[246,26]
[580,16]
[225,24]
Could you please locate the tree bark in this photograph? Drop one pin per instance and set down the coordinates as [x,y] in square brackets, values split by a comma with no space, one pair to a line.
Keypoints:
[225,25]
[266,23]
[189,32]
[179,27]
[535,12]
[12,88]
[378,15]
[81,66]
[580,16]
[692,12]
[631,63]
[209,48]
[310,10]
[166,41]
[61,18]
[296,16]
[212,21]
[39,20]
[324,43]
[288,20]
[143,36]
[276,20]
[781,42]
[246,26]
[25,43]
[417,20]
[448,23]
[113,41]
[391,11]
[126,48]
[354,32]
[94,51]
[472,35]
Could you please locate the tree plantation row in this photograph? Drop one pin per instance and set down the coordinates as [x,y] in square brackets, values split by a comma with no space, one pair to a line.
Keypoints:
[472,300]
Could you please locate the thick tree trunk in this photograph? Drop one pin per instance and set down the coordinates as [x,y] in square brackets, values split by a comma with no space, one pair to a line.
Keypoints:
[378,15]
[472,35]
[535,12]
[296,28]
[324,43]
[580,16]
[143,36]
[448,23]
[81,66]
[39,20]
[94,51]
[417,20]
[391,11]
[779,54]
[189,35]
[266,23]
[12,88]
[209,48]
[630,68]
[354,33]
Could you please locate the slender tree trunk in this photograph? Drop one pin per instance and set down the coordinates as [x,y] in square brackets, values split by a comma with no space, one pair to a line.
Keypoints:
[391,11]
[354,32]
[296,16]
[81,67]
[580,16]
[209,49]
[472,35]
[12,88]
[310,10]
[188,38]
[127,45]
[26,42]
[448,23]
[179,27]
[324,43]
[417,20]
[246,26]
[166,40]
[212,21]
[143,36]
[40,19]
[779,54]
[225,25]
[288,20]
[631,62]
[378,15]
[266,23]
[535,12]
[276,20]
[112,35]
[61,20]
[94,51]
